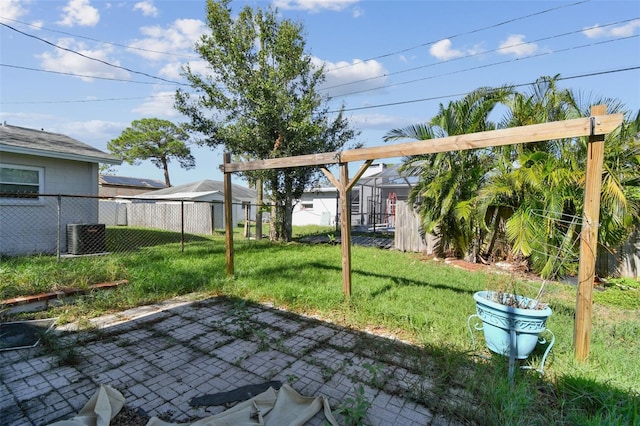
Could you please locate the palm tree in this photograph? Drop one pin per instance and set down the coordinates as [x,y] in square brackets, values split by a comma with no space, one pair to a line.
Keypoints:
[449,180]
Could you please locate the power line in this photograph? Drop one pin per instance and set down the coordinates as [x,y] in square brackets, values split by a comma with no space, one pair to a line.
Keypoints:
[485,66]
[509,21]
[83,75]
[451,95]
[91,58]
[101,41]
[78,101]
[433,98]
[467,56]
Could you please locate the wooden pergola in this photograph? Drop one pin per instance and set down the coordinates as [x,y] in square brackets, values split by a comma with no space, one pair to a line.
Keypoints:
[595,127]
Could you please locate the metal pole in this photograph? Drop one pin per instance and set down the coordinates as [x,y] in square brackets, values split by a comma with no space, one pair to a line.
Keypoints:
[182,226]
[59,223]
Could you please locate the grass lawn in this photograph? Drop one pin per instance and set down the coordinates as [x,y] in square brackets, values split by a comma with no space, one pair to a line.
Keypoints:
[422,301]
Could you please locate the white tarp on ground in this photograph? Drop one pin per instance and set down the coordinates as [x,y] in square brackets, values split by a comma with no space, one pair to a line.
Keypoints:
[283,407]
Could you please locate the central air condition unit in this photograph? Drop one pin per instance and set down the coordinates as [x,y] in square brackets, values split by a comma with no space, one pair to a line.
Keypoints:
[86,238]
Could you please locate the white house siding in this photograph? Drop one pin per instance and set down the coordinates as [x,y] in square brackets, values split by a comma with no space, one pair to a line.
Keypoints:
[315,209]
[30,226]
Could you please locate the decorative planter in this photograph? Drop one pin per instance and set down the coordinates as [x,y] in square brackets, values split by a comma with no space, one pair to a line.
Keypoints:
[499,320]
[509,331]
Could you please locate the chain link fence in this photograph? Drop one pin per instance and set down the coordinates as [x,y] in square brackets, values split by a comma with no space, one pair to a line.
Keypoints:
[75,225]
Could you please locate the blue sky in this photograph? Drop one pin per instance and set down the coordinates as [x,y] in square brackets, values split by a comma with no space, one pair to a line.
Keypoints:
[391,63]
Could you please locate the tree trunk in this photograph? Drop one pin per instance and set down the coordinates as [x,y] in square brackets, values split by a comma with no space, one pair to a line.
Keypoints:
[259,210]
[165,167]
[273,222]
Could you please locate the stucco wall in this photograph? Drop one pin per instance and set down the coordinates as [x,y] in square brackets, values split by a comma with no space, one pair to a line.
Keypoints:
[31,226]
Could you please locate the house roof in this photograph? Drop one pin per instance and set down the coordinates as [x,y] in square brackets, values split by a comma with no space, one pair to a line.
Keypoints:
[196,189]
[20,140]
[389,176]
[131,182]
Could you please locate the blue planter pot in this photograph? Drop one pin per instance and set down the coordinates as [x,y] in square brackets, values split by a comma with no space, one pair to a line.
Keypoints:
[510,331]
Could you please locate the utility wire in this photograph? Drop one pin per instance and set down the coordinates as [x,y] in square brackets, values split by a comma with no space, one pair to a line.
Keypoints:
[84,75]
[453,95]
[433,98]
[91,58]
[101,41]
[471,55]
[485,66]
[509,21]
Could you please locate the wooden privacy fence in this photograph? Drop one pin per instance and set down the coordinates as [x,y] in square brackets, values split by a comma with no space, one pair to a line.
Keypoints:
[408,235]
[594,127]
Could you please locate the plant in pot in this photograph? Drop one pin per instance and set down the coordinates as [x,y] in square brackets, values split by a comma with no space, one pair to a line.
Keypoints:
[511,323]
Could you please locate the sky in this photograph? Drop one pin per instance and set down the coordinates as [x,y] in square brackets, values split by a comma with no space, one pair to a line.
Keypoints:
[89,68]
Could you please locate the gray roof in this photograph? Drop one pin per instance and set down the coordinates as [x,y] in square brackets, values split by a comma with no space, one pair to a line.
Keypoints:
[20,140]
[389,176]
[239,192]
[131,181]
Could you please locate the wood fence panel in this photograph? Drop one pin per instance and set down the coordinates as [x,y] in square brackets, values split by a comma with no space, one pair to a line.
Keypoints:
[408,236]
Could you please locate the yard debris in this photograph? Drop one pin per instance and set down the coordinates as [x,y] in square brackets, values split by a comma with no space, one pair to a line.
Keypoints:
[240,394]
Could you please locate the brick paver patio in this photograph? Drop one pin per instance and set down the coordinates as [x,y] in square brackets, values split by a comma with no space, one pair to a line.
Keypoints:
[159,357]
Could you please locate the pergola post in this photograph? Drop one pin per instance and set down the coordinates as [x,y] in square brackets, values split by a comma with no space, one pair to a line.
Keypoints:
[228,215]
[589,239]
[345,228]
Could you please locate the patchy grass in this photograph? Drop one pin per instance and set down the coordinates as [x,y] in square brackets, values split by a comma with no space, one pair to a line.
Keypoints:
[422,301]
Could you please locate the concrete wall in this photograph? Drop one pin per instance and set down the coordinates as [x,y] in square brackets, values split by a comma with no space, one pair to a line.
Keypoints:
[31,226]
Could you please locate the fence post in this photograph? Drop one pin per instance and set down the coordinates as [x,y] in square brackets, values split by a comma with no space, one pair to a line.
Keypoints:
[182,226]
[59,223]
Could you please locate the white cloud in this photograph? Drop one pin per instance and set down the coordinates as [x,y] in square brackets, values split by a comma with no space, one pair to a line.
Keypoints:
[594,32]
[146,7]
[357,12]
[14,9]
[161,105]
[94,132]
[79,12]
[442,50]
[625,30]
[178,38]
[362,75]
[314,5]
[173,70]
[64,61]
[515,45]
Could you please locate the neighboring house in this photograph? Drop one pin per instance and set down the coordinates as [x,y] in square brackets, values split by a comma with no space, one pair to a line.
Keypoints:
[114,186]
[372,200]
[35,166]
[200,203]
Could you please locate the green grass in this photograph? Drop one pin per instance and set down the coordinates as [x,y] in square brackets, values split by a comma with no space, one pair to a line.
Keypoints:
[425,302]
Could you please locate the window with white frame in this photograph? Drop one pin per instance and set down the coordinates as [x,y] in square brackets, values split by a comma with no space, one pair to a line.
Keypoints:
[20,181]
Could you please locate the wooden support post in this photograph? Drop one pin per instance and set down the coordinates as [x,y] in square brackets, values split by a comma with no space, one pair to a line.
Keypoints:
[589,239]
[345,229]
[344,186]
[228,215]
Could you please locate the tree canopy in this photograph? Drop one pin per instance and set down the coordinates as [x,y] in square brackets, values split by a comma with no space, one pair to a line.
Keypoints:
[260,99]
[156,140]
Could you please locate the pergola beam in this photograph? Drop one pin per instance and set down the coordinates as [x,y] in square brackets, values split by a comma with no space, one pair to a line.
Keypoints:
[578,127]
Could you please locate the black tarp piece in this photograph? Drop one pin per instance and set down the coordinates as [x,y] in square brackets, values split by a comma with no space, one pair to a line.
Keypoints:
[240,394]
[23,334]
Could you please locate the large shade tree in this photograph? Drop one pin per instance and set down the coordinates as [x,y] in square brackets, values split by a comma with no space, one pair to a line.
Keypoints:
[154,139]
[260,99]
